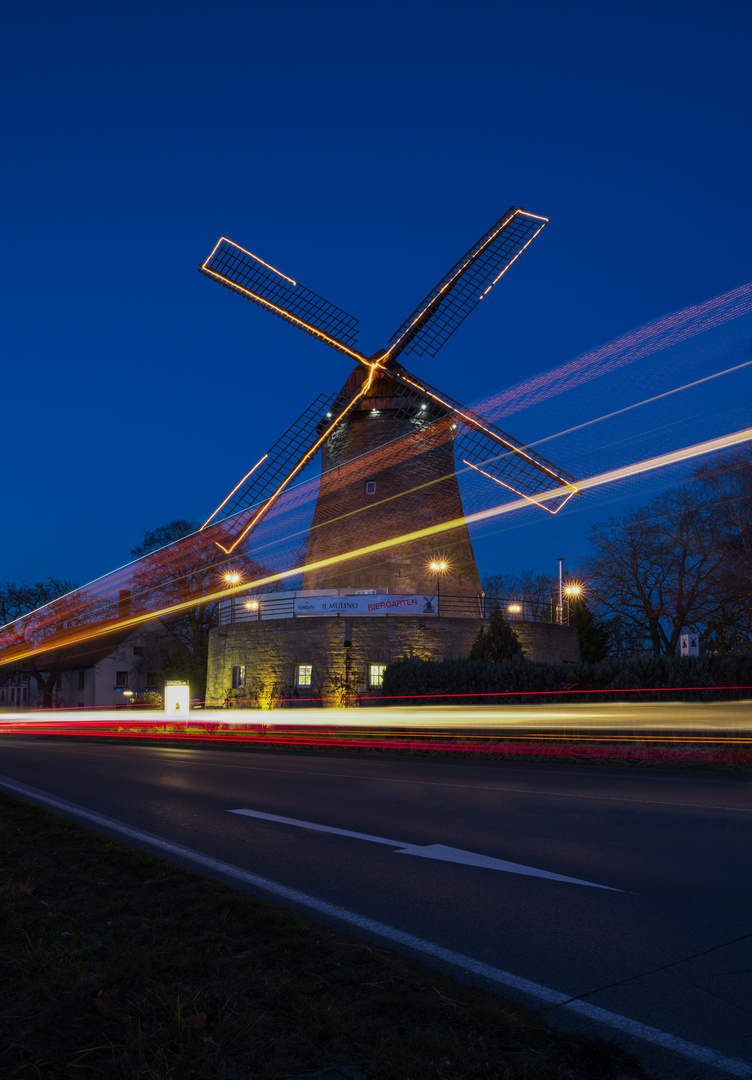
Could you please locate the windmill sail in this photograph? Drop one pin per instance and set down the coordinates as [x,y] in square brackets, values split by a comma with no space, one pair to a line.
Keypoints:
[258,281]
[476,442]
[461,290]
[252,498]
[494,453]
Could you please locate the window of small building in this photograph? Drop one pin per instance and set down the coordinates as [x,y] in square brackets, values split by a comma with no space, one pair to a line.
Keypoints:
[370,487]
[303,673]
[151,678]
[376,674]
[81,680]
[121,678]
[138,650]
[238,676]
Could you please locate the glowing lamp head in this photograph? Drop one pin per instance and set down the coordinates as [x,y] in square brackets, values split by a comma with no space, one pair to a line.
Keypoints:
[232,578]
[515,609]
[572,590]
[252,605]
[438,567]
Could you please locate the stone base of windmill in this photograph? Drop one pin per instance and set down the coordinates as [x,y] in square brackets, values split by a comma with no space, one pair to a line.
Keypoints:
[332,661]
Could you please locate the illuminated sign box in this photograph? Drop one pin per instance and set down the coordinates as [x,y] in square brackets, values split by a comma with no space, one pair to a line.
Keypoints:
[176,697]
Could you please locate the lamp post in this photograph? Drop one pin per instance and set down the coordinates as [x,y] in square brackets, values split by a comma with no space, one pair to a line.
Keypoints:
[438,568]
[571,591]
[232,577]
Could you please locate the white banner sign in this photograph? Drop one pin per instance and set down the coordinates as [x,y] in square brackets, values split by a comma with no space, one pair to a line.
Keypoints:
[690,645]
[365,605]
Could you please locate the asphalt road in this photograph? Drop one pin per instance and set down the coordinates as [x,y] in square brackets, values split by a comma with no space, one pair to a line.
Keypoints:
[665,941]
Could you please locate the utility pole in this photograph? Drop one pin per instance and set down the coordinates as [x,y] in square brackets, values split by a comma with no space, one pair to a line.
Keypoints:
[561,590]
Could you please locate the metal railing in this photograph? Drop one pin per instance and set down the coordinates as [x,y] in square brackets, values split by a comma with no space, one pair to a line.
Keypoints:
[262,607]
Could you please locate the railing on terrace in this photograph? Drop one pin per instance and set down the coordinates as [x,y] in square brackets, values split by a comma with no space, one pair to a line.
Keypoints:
[305,603]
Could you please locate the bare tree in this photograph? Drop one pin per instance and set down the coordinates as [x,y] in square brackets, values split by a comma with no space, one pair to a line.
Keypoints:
[529,586]
[181,567]
[660,570]
[18,602]
[727,482]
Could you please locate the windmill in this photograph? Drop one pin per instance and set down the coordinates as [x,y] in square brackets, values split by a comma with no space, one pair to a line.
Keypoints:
[381,386]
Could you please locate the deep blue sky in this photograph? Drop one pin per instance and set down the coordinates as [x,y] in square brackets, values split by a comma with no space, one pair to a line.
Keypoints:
[360,148]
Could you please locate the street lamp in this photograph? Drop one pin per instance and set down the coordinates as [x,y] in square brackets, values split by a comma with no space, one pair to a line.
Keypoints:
[232,577]
[438,568]
[253,605]
[571,592]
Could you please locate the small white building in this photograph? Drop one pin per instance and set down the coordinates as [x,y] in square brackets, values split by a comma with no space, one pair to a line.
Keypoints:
[105,673]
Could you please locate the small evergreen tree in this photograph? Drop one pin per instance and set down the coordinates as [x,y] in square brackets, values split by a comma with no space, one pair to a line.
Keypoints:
[594,639]
[498,642]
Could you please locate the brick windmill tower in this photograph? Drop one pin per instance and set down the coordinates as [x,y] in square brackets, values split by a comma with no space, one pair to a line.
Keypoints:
[389,440]
[389,444]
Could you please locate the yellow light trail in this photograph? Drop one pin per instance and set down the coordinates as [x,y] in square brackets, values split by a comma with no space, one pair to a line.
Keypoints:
[710,446]
[624,720]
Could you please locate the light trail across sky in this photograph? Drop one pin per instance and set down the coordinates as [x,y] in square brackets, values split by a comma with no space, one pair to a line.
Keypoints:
[645,340]
[62,638]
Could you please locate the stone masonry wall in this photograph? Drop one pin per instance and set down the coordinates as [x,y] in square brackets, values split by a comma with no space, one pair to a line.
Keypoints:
[415,488]
[270,652]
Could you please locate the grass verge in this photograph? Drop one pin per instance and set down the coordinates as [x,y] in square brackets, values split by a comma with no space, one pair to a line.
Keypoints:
[118,964]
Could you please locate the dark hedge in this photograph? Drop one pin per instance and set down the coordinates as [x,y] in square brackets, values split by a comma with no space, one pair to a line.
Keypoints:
[729,678]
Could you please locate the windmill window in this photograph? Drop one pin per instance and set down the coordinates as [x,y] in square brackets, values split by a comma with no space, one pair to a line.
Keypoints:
[303,673]
[376,674]
[238,676]
[370,487]
[138,650]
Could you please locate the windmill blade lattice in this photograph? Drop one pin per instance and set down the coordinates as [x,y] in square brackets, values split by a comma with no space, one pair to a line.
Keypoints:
[462,289]
[253,497]
[273,468]
[235,268]
[497,455]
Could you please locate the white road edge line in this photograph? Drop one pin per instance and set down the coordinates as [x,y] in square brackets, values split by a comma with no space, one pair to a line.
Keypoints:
[732,1066]
[430,851]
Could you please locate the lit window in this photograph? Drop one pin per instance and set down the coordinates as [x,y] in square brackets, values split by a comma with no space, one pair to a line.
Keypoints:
[303,674]
[238,676]
[370,487]
[121,678]
[376,674]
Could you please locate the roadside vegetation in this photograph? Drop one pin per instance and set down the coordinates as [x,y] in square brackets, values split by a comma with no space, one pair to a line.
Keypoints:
[117,964]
